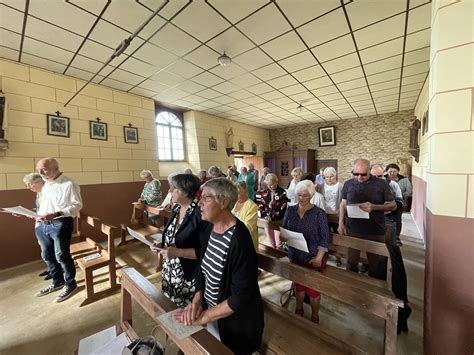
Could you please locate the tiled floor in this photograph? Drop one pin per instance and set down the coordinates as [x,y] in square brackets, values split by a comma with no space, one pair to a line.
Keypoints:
[30,325]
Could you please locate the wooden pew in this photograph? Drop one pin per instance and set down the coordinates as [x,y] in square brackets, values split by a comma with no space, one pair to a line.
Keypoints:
[107,256]
[142,224]
[136,287]
[342,287]
[339,244]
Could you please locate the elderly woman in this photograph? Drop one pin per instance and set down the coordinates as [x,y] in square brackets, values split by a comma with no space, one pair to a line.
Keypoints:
[262,186]
[310,220]
[151,193]
[34,182]
[296,174]
[404,183]
[249,179]
[272,206]
[215,172]
[332,192]
[246,210]
[180,246]
[231,174]
[228,298]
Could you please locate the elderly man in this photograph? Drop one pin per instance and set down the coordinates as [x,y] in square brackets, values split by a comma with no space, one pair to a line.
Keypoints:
[399,276]
[61,202]
[374,196]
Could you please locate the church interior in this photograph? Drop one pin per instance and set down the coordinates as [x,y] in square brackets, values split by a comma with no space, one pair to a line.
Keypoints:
[112,87]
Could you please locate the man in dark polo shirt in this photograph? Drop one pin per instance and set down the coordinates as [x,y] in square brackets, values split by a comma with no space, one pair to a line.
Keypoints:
[371,195]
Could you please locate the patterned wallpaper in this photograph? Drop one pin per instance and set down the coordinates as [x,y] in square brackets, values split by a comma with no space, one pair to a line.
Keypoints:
[380,138]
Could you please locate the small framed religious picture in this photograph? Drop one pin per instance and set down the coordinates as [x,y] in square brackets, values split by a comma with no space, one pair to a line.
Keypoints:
[57,125]
[98,130]
[254,148]
[241,146]
[327,136]
[130,134]
[212,143]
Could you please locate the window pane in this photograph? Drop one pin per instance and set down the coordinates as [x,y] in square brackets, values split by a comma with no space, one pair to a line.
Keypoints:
[163,118]
[179,133]
[169,131]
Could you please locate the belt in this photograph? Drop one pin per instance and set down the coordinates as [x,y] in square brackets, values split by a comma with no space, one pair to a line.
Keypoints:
[55,219]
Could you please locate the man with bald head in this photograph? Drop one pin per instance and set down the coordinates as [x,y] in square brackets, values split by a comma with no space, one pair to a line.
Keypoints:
[374,196]
[61,202]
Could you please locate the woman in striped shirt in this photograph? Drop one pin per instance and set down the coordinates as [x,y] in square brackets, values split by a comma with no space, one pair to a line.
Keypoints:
[228,298]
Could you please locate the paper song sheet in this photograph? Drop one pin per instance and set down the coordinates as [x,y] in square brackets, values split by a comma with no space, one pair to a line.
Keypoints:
[139,237]
[294,239]
[20,210]
[354,211]
[179,330]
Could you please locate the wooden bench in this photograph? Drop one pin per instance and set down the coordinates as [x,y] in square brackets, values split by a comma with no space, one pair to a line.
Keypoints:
[142,224]
[136,287]
[106,259]
[346,287]
[339,245]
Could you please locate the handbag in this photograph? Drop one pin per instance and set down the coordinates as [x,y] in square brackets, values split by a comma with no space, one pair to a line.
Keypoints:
[147,345]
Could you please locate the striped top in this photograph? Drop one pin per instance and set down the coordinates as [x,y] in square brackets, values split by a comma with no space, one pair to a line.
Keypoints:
[213,264]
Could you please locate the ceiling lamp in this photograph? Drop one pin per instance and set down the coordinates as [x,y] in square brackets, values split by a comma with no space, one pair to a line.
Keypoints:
[300,108]
[224,60]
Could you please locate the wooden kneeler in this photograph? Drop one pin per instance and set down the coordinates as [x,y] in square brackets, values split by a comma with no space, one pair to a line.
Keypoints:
[106,259]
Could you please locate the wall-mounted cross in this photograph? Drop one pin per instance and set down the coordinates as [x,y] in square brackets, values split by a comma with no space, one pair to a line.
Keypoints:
[58,113]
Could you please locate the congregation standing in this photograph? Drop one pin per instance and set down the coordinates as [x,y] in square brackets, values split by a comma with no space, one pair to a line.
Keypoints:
[209,242]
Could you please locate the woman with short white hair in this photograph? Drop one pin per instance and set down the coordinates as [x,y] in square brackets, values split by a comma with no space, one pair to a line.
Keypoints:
[151,193]
[311,221]
[296,173]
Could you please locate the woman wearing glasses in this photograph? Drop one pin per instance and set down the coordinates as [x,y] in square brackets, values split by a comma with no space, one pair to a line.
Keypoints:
[180,246]
[228,298]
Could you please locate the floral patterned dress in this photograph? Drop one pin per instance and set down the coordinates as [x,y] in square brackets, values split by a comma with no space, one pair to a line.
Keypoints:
[174,284]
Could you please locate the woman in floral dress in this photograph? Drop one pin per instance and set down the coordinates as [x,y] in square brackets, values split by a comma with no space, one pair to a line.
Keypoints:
[180,246]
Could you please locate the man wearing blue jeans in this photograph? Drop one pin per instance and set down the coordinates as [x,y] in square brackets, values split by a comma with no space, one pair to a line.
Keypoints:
[61,202]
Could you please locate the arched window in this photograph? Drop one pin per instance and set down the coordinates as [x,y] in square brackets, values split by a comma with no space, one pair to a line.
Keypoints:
[169,130]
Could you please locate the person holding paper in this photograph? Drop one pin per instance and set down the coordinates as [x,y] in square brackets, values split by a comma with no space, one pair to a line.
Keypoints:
[373,196]
[180,246]
[272,206]
[228,298]
[151,193]
[312,222]
[34,182]
[296,174]
[61,202]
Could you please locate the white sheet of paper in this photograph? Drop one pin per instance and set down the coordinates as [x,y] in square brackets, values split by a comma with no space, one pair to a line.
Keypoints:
[156,236]
[20,210]
[294,239]
[96,341]
[354,211]
[138,236]
[113,347]
[179,330]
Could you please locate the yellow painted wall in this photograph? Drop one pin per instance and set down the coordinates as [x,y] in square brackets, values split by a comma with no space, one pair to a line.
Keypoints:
[32,93]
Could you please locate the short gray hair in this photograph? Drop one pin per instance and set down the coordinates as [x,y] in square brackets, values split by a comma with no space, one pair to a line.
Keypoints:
[31,178]
[224,189]
[145,173]
[266,170]
[377,165]
[306,186]
[330,171]
[271,178]
[213,169]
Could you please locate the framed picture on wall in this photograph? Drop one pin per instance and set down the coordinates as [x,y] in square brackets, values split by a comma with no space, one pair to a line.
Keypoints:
[130,134]
[254,148]
[327,136]
[57,125]
[212,143]
[98,130]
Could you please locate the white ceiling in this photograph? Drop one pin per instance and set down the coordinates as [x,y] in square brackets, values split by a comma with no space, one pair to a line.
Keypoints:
[338,59]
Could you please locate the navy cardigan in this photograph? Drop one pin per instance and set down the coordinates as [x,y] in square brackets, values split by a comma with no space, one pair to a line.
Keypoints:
[241,331]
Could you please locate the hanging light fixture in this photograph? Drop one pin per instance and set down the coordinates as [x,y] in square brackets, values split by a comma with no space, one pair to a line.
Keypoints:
[224,60]
[300,108]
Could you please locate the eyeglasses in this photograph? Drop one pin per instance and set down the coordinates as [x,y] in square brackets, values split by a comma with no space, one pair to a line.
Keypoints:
[360,174]
[207,198]
[378,176]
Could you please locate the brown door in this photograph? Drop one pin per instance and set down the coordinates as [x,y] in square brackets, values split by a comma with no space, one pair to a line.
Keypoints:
[323,164]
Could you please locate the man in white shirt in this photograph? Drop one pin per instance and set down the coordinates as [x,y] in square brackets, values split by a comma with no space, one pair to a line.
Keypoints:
[61,202]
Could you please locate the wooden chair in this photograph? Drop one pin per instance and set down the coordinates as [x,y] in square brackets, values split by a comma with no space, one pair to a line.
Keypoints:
[140,222]
[106,258]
